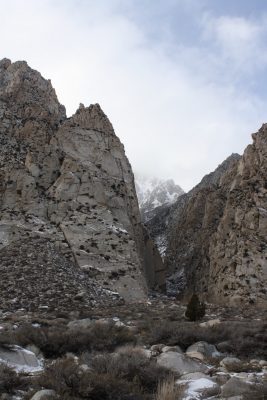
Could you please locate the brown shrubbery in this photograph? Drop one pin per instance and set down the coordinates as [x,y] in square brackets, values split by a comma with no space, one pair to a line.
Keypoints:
[57,341]
[9,380]
[128,375]
[240,338]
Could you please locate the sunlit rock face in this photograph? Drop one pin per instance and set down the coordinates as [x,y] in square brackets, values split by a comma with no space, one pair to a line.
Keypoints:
[217,240]
[68,181]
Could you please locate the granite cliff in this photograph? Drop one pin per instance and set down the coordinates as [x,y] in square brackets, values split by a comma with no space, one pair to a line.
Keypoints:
[66,182]
[217,242]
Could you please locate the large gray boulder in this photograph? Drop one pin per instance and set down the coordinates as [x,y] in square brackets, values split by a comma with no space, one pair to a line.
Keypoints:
[180,363]
[20,359]
[238,387]
[206,349]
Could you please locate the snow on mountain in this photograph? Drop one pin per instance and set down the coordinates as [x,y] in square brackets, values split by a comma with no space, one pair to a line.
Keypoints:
[153,193]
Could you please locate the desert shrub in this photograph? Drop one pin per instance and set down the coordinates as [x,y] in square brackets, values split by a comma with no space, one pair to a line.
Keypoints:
[195,309]
[9,380]
[133,365]
[57,341]
[242,339]
[69,381]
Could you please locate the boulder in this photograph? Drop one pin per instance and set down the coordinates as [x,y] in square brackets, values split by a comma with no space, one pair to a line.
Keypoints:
[80,323]
[176,349]
[44,395]
[20,359]
[199,388]
[204,348]
[238,387]
[210,323]
[180,363]
[232,364]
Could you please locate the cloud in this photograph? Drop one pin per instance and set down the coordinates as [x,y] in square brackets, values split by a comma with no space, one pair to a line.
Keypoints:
[174,105]
[240,40]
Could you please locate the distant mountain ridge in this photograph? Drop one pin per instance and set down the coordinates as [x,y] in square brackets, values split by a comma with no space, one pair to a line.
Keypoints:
[153,192]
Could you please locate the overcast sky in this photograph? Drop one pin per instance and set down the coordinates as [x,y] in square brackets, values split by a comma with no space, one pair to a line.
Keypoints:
[183,81]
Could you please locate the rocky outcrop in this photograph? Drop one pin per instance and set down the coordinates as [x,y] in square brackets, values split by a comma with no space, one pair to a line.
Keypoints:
[217,239]
[153,193]
[68,181]
[155,198]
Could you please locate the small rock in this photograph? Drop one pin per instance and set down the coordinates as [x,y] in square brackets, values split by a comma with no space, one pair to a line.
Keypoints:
[232,364]
[238,387]
[206,349]
[157,347]
[195,354]
[80,323]
[210,323]
[43,394]
[175,349]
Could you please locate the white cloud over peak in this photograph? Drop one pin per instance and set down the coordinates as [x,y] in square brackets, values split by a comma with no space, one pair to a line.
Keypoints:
[173,105]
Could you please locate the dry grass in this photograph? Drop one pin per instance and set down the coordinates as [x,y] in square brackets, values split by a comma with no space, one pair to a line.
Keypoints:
[242,339]
[9,380]
[167,390]
[58,340]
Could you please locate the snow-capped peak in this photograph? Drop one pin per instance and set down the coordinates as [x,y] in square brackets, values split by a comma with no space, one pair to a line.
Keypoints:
[153,192]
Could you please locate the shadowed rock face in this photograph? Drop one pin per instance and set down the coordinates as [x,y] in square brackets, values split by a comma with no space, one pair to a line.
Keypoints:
[68,181]
[217,241]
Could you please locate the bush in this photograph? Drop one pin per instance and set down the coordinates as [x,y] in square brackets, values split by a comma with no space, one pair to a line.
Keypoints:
[195,309]
[9,380]
[133,365]
[242,339]
[70,382]
[57,341]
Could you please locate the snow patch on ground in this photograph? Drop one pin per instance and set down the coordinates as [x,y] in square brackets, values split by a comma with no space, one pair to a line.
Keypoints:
[193,392]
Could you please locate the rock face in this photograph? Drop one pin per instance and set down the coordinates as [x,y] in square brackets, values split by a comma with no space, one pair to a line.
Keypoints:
[155,198]
[153,193]
[68,181]
[217,242]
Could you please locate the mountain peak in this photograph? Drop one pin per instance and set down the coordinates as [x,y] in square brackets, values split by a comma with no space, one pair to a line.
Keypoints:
[92,117]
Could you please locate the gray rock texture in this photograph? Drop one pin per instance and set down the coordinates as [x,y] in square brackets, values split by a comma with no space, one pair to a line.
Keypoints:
[155,198]
[67,181]
[217,242]
[180,363]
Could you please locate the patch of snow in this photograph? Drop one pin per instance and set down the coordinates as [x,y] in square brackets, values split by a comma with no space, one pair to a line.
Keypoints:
[117,229]
[195,387]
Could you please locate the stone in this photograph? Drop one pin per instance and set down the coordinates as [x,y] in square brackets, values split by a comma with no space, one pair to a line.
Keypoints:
[207,350]
[193,376]
[176,349]
[195,354]
[44,395]
[180,363]
[67,191]
[20,359]
[238,387]
[216,238]
[203,386]
[210,323]
[85,323]
[231,364]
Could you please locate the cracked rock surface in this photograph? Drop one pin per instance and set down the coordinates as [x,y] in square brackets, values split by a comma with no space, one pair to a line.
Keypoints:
[68,182]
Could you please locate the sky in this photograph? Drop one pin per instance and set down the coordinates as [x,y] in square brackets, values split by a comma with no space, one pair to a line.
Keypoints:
[182,81]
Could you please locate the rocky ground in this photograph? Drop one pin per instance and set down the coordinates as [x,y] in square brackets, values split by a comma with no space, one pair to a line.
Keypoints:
[141,351]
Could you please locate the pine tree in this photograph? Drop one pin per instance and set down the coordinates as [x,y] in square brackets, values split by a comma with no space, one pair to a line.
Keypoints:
[195,309]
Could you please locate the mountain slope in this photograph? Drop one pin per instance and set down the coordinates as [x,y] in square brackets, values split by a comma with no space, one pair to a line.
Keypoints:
[217,242]
[68,181]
